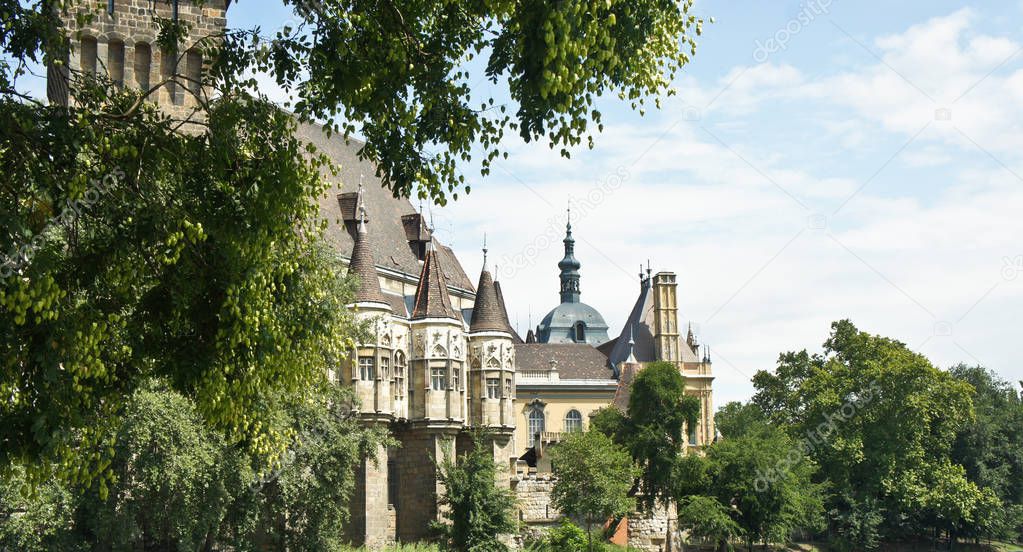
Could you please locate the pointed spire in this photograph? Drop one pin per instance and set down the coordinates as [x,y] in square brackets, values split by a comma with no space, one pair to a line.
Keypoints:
[362,264]
[432,298]
[569,266]
[631,359]
[487,313]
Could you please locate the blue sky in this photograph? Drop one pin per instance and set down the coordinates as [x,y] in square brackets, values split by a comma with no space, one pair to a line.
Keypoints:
[866,165]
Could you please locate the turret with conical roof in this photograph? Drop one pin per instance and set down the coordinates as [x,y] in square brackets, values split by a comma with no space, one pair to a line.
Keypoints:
[432,297]
[362,264]
[491,358]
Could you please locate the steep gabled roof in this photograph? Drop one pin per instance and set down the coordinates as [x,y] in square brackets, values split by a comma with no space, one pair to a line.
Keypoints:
[432,299]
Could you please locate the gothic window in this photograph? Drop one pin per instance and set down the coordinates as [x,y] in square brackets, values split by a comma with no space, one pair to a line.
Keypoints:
[508,388]
[115,62]
[536,424]
[88,54]
[168,69]
[493,388]
[399,374]
[385,367]
[573,421]
[143,58]
[438,378]
[580,332]
[367,368]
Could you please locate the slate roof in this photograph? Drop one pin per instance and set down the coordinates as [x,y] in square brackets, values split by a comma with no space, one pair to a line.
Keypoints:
[362,266]
[388,237]
[577,361]
[504,310]
[487,314]
[641,320]
[432,299]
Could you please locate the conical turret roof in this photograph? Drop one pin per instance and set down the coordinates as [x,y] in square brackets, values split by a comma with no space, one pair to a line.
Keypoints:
[362,264]
[487,314]
[432,298]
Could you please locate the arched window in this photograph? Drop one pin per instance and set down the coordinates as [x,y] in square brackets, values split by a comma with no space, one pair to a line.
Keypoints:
[536,424]
[399,374]
[580,332]
[88,55]
[573,421]
[143,59]
[115,62]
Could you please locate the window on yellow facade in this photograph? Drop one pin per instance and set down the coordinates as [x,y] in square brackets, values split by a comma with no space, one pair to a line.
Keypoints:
[536,425]
[573,421]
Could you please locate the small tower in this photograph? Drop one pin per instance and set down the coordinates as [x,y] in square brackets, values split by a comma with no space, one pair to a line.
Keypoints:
[665,330]
[491,358]
[569,266]
[370,369]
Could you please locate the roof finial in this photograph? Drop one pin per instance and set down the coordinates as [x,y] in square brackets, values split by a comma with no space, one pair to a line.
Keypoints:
[568,225]
[631,359]
[361,206]
[484,251]
[648,271]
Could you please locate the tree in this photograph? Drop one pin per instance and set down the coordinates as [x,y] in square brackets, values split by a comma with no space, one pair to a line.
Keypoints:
[766,484]
[480,510]
[36,519]
[736,419]
[138,251]
[877,419]
[594,476]
[659,412]
[704,517]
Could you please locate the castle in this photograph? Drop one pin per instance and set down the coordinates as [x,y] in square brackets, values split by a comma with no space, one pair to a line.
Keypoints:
[441,357]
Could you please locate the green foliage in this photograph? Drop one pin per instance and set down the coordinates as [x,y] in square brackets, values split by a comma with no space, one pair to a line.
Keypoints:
[766,484]
[906,450]
[401,74]
[179,486]
[566,536]
[171,479]
[990,447]
[659,410]
[736,419]
[35,519]
[480,510]
[594,476]
[706,518]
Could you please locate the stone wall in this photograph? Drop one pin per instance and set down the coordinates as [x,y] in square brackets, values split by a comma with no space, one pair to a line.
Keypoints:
[533,493]
[648,530]
[370,523]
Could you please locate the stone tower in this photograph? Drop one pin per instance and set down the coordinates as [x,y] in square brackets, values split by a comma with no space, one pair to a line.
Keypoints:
[492,370]
[437,400]
[377,364]
[120,42]
[666,336]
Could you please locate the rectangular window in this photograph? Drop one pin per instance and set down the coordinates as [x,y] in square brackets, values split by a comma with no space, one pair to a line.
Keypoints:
[143,58]
[692,435]
[456,378]
[385,367]
[438,379]
[493,388]
[366,369]
[508,389]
